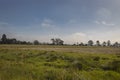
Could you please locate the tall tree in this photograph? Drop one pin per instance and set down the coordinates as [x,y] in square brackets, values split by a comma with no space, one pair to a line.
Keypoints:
[104,44]
[4,39]
[57,41]
[36,42]
[60,42]
[116,44]
[81,44]
[108,43]
[53,41]
[90,43]
[97,43]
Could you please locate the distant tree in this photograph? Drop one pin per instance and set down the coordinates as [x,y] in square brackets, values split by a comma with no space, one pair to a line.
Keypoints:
[104,44]
[85,44]
[4,39]
[97,43]
[57,41]
[108,43]
[61,42]
[53,41]
[90,43]
[18,42]
[36,42]
[77,43]
[11,41]
[29,43]
[74,45]
[116,44]
[23,42]
[14,41]
[81,44]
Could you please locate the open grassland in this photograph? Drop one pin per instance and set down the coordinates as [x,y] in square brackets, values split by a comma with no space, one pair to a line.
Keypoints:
[30,62]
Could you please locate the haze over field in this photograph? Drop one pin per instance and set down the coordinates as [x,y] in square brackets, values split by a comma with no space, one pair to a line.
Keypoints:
[70,20]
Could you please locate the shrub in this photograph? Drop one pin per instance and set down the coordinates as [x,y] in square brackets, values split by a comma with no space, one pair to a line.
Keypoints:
[97,58]
[77,65]
[114,65]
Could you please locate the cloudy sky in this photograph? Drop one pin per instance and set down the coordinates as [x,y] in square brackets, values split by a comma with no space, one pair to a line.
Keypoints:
[71,20]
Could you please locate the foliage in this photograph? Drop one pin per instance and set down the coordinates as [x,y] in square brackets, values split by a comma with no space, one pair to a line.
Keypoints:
[90,43]
[36,42]
[57,41]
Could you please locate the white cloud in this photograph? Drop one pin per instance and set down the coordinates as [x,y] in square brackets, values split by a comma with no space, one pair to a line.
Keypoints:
[75,37]
[97,22]
[104,23]
[79,34]
[108,24]
[104,14]
[104,17]
[47,23]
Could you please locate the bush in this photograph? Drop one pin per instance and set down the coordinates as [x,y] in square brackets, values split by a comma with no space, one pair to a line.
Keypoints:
[77,65]
[114,65]
[97,58]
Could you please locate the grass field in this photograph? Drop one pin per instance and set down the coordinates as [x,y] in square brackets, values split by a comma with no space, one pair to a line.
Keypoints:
[43,62]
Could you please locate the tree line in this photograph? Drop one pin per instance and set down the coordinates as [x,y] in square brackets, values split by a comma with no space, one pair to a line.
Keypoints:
[57,41]
[98,43]
[5,40]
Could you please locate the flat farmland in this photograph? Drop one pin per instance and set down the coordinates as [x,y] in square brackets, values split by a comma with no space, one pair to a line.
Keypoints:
[57,48]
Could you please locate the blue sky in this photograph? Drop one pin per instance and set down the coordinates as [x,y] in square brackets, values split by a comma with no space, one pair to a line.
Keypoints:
[71,20]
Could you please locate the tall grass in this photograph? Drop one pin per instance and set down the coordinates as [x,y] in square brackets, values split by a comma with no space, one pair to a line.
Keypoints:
[34,64]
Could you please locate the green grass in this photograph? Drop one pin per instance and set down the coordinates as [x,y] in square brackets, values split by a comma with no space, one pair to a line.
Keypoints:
[25,62]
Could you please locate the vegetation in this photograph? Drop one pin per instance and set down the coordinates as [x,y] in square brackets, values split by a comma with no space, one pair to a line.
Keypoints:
[56,41]
[90,43]
[43,62]
[5,40]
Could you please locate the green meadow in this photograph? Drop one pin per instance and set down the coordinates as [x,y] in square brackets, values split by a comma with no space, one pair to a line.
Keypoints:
[48,62]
